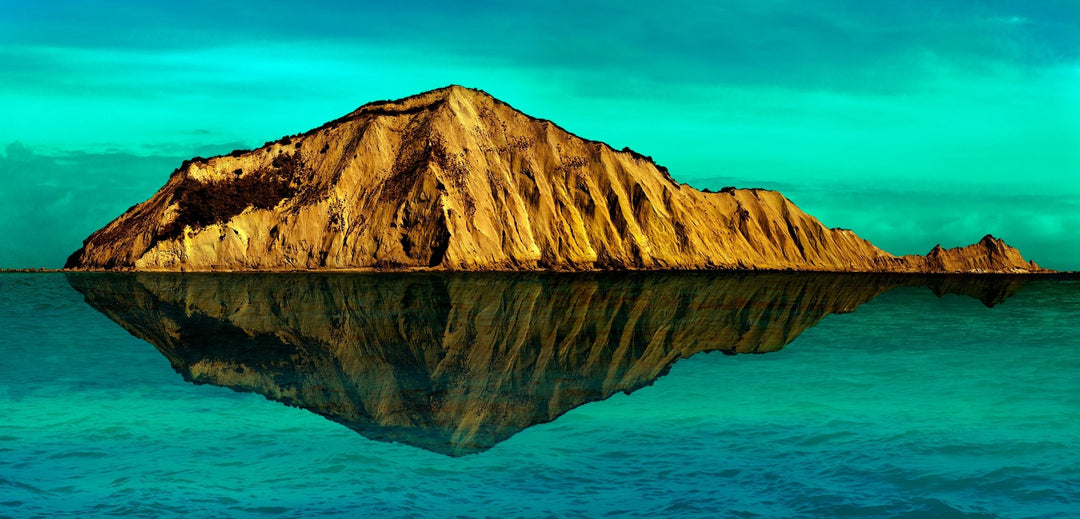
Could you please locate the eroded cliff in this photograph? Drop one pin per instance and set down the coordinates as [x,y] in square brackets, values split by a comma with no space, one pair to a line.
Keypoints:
[453,179]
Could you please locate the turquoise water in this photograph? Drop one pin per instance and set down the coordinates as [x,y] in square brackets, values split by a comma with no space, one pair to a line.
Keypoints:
[910,406]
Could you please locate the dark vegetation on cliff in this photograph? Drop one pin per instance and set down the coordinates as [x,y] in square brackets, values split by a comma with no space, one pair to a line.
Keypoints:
[205,203]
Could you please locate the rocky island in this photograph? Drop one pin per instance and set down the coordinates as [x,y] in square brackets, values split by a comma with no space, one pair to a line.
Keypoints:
[454,179]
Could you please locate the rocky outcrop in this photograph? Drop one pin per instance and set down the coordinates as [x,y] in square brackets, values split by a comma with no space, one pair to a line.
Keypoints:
[454,179]
[988,255]
[456,363]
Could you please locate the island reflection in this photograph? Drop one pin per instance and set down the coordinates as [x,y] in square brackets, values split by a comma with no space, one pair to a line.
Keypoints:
[456,363]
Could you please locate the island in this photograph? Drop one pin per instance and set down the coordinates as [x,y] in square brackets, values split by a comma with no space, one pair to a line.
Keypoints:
[456,180]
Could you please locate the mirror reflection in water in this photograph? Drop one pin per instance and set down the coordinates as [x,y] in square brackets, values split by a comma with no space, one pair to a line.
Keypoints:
[456,363]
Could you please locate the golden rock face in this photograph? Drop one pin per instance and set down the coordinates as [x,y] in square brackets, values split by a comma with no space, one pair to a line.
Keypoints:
[453,179]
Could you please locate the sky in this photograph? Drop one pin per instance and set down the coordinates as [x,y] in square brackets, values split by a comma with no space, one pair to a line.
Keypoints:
[912,123]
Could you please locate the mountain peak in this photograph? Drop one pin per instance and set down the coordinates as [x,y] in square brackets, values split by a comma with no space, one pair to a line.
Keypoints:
[430,98]
[454,179]
[990,241]
[989,254]
[461,90]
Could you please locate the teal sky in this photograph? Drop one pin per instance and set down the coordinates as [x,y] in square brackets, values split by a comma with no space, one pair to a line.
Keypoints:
[911,122]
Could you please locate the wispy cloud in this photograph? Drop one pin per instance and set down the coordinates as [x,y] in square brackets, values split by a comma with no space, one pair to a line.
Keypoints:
[948,95]
[49,203]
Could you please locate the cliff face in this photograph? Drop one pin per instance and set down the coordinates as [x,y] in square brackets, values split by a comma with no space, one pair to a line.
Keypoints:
[454,179]
[455,363]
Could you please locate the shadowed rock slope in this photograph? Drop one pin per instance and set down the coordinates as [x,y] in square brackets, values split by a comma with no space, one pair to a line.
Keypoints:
[453,179]
[456,363]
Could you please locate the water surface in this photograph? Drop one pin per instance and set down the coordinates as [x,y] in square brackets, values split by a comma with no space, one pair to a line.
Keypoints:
[538,395]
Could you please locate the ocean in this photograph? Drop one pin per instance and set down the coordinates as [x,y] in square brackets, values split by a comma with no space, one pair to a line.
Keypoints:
[538,395]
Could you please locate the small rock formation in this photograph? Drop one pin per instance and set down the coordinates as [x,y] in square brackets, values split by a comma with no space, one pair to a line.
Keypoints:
[453,179]
[456,363]
[988,255]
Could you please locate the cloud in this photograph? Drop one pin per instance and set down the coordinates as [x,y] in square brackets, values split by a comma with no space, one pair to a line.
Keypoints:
[952,95]
[255,71]
[843,45]
[50,203]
